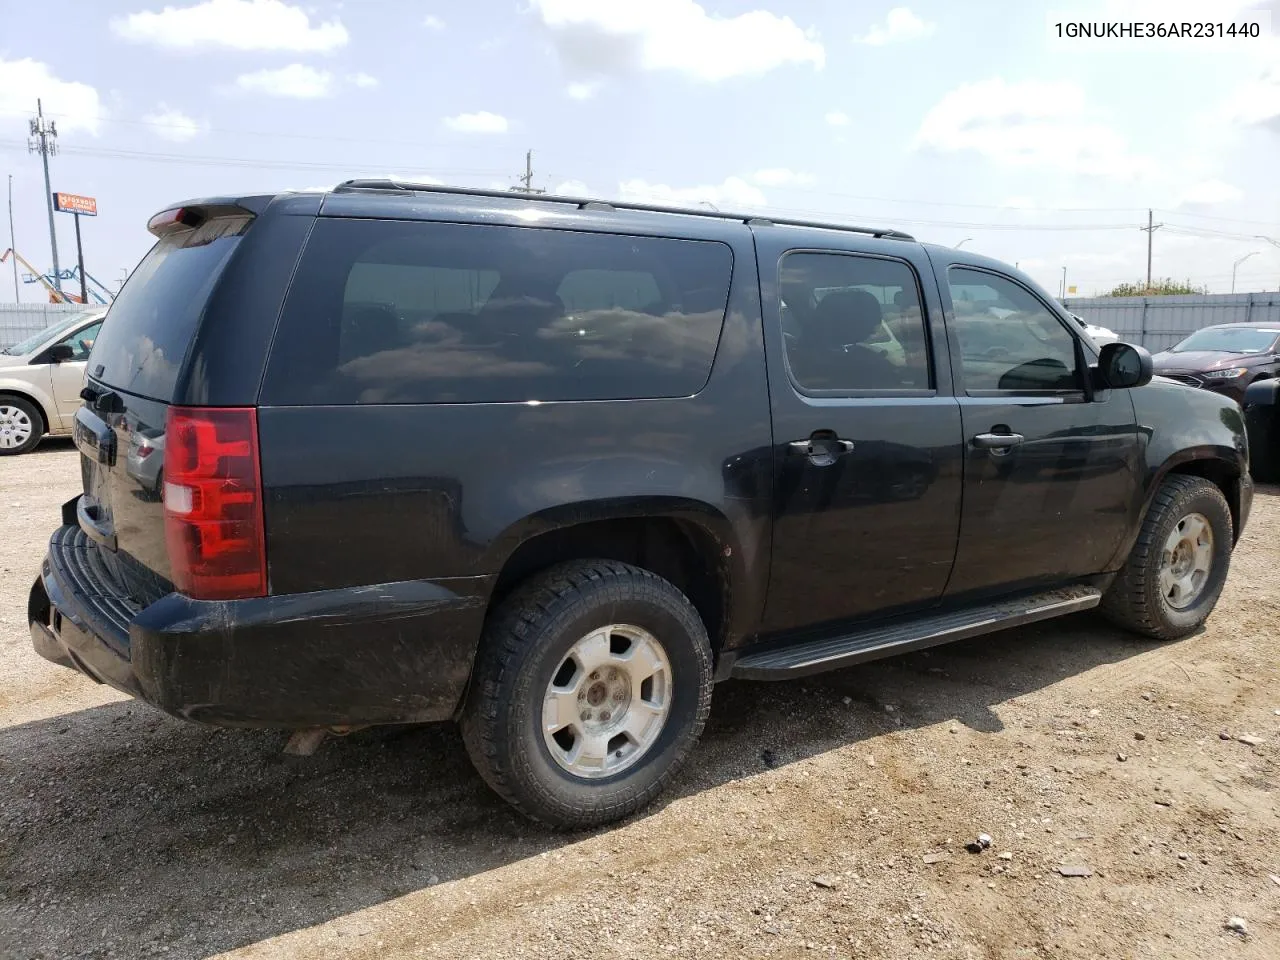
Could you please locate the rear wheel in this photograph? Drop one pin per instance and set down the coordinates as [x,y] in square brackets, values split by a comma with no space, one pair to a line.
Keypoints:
[591,686]
[1179,564]
[21,426]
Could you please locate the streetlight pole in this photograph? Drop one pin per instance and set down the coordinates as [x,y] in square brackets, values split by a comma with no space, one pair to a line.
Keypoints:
[963,242]
[1063,294]
[1236,266]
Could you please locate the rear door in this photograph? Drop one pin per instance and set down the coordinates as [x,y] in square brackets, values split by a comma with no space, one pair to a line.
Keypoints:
[867,434]
[133,373]
[1051,466]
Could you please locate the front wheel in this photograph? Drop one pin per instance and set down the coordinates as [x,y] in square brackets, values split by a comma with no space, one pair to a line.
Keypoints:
[20,426]
[591,687]
[1178,566]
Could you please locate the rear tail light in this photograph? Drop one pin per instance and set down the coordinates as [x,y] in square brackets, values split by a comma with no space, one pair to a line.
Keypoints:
[213,503]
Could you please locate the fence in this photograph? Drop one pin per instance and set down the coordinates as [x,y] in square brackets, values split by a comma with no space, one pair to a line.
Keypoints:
[1159,322]
[21,320]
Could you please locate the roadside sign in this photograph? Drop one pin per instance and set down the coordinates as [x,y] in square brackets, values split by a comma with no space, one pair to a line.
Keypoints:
[1071,289]
[74,203]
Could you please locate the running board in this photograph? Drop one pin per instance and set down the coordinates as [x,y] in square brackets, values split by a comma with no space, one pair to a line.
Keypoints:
[887,640]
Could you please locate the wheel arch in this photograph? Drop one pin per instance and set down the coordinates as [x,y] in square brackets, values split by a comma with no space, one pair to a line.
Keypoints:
[32,398]
[1217,465]
[688,543]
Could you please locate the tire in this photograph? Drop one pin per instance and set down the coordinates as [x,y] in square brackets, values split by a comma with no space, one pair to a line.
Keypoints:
[525,658]
[1137,599]
[21,426]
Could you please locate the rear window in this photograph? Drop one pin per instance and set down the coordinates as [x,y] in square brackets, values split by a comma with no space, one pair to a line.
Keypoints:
[151,323]
[399,312]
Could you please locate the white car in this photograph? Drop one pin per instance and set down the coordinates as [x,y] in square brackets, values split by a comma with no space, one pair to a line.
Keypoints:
[40,381]
[1098,335]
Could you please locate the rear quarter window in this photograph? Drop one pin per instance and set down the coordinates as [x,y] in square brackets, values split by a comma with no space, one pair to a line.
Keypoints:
[150,325]
[403,312]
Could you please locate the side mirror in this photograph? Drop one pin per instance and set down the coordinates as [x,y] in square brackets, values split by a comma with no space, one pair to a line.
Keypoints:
[1122,366]
[61,353]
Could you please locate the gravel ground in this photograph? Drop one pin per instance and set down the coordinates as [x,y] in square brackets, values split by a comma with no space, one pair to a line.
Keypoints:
[824,817]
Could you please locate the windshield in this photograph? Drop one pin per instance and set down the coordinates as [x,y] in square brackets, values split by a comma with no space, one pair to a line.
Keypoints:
[23,347]
[1228,340]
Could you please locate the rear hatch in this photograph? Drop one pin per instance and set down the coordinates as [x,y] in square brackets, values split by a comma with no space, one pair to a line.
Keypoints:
[132,378]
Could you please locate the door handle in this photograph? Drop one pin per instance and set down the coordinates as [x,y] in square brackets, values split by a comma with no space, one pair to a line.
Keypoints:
[822,448]
[997,441]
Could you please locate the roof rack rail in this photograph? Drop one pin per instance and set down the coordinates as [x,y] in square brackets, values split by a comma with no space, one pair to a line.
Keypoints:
[581,203]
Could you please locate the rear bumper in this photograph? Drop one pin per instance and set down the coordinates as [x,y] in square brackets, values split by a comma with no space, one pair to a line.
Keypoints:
[391,653]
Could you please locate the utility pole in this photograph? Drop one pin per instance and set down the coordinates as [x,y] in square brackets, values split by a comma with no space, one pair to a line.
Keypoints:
[44,141]
[1062,294]
[1150,230]
[527,179]
[13,245]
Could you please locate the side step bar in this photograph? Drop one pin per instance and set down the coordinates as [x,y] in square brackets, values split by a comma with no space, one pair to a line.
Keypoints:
[902,636]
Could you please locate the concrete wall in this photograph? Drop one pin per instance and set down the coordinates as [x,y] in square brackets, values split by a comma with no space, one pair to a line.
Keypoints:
[21,320]
[1159,322]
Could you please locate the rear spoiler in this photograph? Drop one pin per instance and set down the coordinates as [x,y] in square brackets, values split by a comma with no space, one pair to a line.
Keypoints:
[194,213]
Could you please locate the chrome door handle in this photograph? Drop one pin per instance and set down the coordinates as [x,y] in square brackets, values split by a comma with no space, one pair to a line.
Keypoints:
[822,449]
[997,441]
[807,448]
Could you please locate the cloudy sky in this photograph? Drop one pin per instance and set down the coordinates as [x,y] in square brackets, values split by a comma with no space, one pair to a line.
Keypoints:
[949,120]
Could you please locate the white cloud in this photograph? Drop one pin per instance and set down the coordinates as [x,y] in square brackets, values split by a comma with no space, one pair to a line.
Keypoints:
[583,90]
[72,105]
[595,38]
[901,24]
[571,188]
[734,191]
[1257,101]
[362,80]
[780,177]
[1209,192]
[481,122]
[295,81]
[169,123]
[1032,124]
[234,24]
[432,22]
[837,118]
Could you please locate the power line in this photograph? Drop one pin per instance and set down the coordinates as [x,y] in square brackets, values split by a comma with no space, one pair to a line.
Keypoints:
[159,125]
[152,157]
[526,181]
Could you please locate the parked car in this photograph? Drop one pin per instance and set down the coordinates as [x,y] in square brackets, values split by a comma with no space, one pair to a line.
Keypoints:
[552,467]
[1097,334]
[1225,358]
[40,381]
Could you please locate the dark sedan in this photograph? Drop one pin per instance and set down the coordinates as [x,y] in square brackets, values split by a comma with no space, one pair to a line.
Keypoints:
[1225,358]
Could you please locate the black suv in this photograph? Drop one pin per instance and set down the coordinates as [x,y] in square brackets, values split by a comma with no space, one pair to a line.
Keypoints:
[396,453]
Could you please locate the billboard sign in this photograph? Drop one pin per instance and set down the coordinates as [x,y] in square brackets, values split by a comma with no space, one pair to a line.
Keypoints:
[73,203]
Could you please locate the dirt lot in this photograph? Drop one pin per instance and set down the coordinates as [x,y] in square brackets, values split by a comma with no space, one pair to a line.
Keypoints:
[801,828]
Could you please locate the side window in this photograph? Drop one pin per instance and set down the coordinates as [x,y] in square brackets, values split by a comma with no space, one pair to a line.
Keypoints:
[82,341]
[1009,341]
[404,312]
[853,323]
[606,289]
